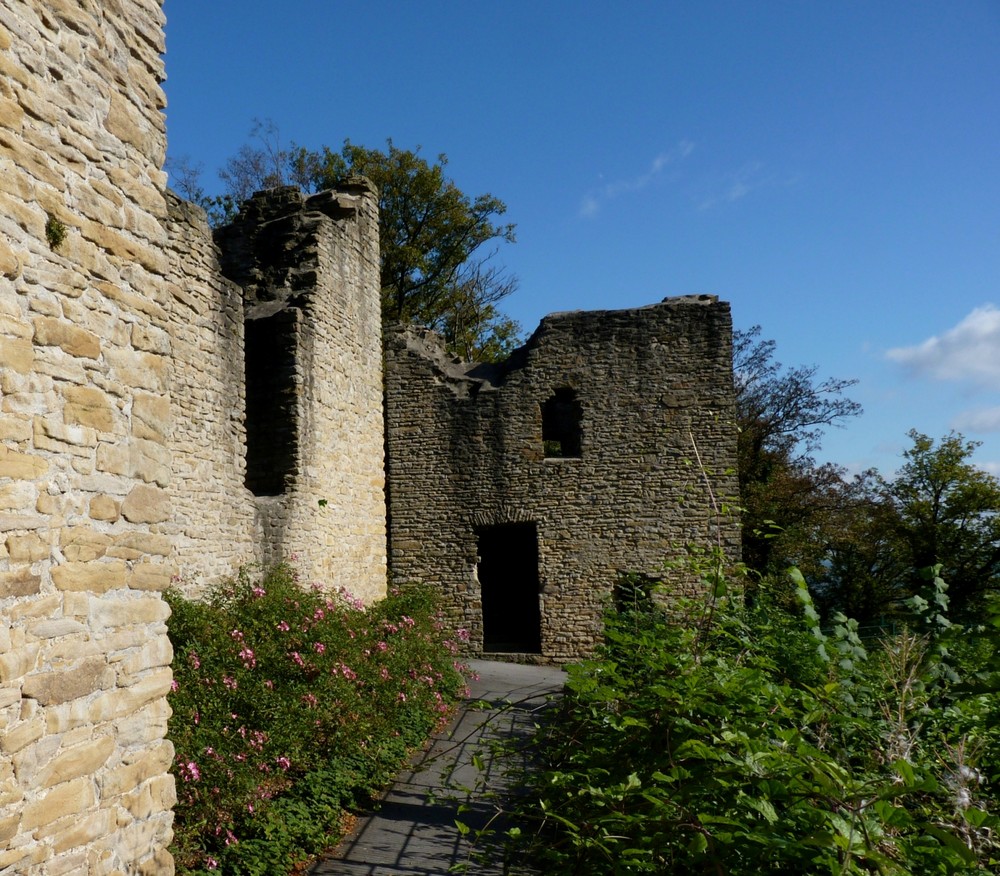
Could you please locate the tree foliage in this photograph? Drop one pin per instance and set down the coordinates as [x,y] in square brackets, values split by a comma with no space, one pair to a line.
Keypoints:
[745,741]
[438,245]
[781,415]
[948,515]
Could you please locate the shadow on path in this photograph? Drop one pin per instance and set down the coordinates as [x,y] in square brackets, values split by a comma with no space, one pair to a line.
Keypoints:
[414,832]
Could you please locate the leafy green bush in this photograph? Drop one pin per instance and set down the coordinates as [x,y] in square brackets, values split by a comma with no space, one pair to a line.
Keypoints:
[729,740]
[290,706]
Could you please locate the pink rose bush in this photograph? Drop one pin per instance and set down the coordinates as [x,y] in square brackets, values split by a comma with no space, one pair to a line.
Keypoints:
[290,707]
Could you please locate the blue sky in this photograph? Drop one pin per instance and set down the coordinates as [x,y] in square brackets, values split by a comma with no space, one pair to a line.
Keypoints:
[831,169]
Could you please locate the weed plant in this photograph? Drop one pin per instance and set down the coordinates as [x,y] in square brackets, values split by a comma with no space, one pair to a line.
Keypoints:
[722,739]
[291,706]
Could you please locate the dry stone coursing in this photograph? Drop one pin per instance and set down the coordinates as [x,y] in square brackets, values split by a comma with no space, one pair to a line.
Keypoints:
[83,345]
[175,403]
[266,470]
[466,458]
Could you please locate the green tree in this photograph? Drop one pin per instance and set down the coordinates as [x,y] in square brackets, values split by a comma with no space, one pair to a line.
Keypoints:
[438,245]
[949,514]
[788,500]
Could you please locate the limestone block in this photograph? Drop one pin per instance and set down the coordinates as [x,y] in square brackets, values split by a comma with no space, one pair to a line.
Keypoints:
[9,825]
[150,339]
[141,370]
[20,582]
[156,652]
[10,261]
[14,427]
[50,434]
[18,496]
[104,507]
[87,406]
[50,629]
[83,830]
[148,725]
[112,611]
[151,417]
[152,576]
[21,466]
[52,688]
[62,801]
[145,504]
[21,735]
[80,760]
[98,577]
[81,544]
[130,775]
[28,548]
[51,332]
[136,457]
[40,606]
[17,354]
[134,545]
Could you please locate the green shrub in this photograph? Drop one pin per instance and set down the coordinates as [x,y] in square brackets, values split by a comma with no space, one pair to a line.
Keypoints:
[744,741]
[290,706]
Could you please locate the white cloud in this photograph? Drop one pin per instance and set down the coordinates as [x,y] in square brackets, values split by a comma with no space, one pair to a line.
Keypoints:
[591,203]
[982,420]
[970,351]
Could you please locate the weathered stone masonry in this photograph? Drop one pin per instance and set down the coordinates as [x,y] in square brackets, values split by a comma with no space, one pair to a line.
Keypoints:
[84,458]
[626,403]
[174,404]
[278,392]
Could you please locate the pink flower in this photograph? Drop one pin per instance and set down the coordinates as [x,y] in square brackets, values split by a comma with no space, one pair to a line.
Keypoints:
[297,658]
[283,626]
[284,763]
[236,635]
[193,660]
[248,658]
[174,685]
[462,634]
[230,682]
[319,647]
[189,771]
[259,592]
[211,863]
[310,700]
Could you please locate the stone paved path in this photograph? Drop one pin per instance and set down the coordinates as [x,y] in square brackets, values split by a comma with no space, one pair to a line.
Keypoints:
[413,833]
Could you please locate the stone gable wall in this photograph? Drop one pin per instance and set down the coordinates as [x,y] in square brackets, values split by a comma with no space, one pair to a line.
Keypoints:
[465,451]
[84,458]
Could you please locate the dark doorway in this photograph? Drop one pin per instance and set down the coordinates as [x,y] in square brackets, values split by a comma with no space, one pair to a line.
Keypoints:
[508,578]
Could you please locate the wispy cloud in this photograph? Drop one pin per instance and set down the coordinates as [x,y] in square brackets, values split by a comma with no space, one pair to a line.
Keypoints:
[968,352]
[737,185]
[594,200]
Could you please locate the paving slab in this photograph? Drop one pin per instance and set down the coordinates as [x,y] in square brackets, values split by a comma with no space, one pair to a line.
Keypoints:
[413,832]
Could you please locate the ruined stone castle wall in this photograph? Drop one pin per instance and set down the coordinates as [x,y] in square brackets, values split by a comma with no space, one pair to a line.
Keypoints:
[85,343]
[278,433]
[652,391]
[213,523]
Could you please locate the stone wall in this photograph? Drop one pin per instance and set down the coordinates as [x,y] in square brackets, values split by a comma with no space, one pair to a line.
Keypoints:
[631,400]
[281,453]
[84,456]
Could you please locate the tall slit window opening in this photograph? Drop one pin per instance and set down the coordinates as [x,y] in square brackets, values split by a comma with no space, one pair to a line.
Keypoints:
[561,416]
[271,413]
